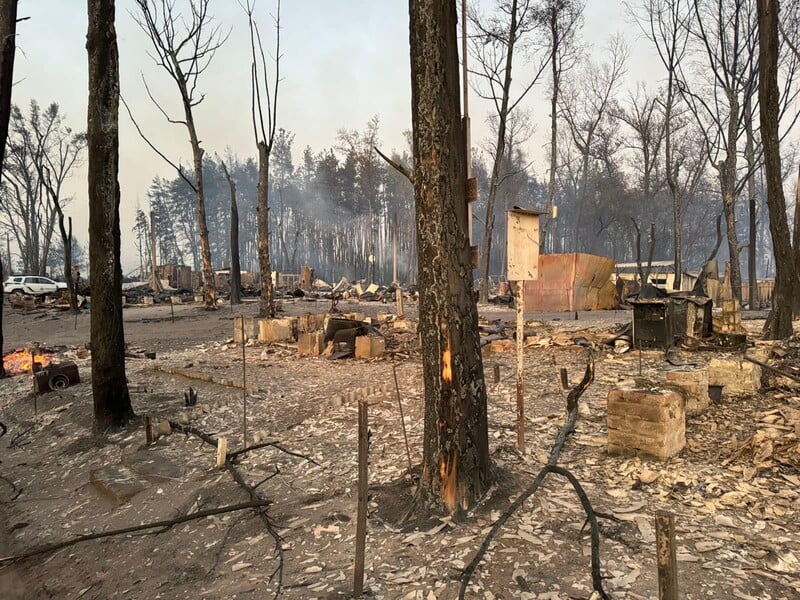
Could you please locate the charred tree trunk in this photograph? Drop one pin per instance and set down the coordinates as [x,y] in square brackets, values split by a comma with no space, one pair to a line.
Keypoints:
[769,100]
[66,239]
[112,403]
[236,271]
[267,305]
[551,182]
[750,156]
[8,32]
[209,284]
[727,180]
[456,464]
[499,152]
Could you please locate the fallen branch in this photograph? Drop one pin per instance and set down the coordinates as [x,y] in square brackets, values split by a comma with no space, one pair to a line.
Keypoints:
[251,491]
[591,517]
[236,453]
[166,524]
[572,410]
[763,365]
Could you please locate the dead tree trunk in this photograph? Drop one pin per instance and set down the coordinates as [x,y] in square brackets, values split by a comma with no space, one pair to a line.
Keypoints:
[112,403]
[236,271]
[8,45]
[750,157]
[769,100]
[456,464]
[267,305]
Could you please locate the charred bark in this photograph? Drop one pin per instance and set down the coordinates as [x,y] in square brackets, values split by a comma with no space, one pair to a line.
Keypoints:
[267,304]
[8,46]
[456,464]
[236,271]
[112,403]
[769,101]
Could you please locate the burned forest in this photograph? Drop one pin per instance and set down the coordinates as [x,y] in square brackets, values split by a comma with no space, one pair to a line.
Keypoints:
[436,300]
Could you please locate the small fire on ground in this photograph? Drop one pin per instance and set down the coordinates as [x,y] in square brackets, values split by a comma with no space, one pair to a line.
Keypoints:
[19,361]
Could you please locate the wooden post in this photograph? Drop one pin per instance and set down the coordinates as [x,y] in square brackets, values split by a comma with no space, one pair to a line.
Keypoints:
[665,556]
[222,451]
[149,437]
[399,297]
[496,373]
[520,305]
[244,389]
[564,378]
[402,418]
[361,519]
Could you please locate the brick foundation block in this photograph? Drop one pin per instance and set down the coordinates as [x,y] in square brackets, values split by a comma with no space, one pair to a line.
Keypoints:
[694,383]
[646,422]
[737,377]
[368,346]
[311,344]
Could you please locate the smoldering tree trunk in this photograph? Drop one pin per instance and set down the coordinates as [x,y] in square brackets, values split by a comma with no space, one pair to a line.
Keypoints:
[267,305]
[456,464]
[769,99]
[236,271]
[8,45]
[112,403]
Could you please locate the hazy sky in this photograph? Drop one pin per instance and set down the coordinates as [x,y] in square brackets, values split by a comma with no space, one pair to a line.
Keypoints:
[344,61]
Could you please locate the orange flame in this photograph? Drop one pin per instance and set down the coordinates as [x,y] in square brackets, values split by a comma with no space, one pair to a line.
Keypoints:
[447,479]
[447,371]
[19,361]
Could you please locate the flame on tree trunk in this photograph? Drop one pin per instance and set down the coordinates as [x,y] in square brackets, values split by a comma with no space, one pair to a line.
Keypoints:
[456,465]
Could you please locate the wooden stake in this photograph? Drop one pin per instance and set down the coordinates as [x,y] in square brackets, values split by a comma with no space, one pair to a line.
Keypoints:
[496,373]
[149,438]
[222,451]
[564,379]
[520,305]
[363,486]
[399,296]
[244,389]
[665,556]
[402,418]
[172,309]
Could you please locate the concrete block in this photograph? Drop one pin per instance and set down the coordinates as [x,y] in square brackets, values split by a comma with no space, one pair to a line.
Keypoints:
[694,382]
[117,483]
[250,330]
[368,346]
[646,422]
[148,300]
[277,330]
[311,344]
[737,377]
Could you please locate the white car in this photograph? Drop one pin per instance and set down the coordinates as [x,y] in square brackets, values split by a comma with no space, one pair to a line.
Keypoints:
[32,284]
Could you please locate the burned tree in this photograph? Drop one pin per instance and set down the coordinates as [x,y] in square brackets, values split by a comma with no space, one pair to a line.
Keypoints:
[264,134]
[560,20]
[236,271]
[497,37]
[112,402]
[780,321]
[184,48]
[8,46]
[456,464]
